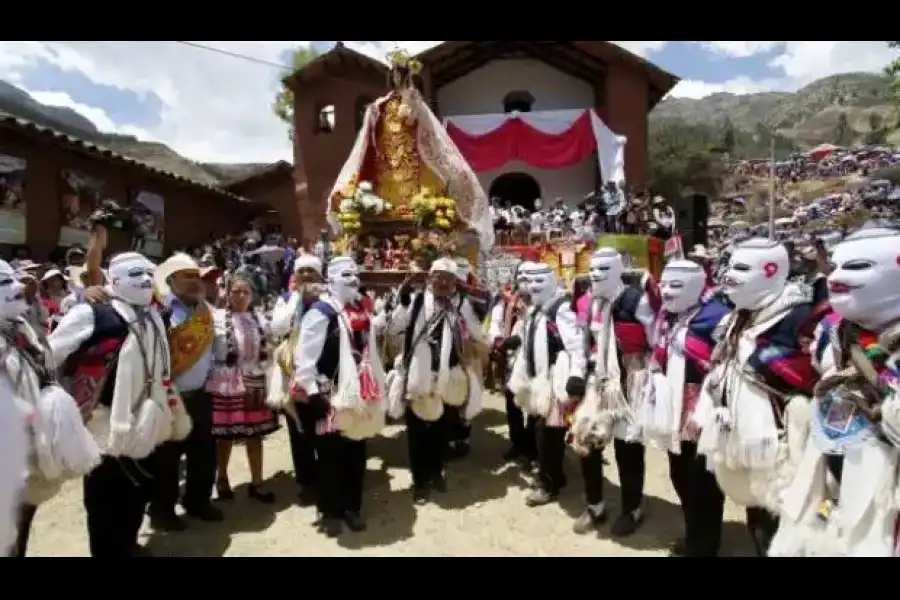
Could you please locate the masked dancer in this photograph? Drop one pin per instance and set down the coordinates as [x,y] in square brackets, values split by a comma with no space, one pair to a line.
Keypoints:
[547,377]
[620,323]
[683,343]
[434,378]
[754,404]
[338,375]
[57,444]
[191,332]
[842,501]
[305,287]
[504,339]
[117,360]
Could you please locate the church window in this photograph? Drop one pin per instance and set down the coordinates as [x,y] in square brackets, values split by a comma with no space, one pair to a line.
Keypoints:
[325,119]
[518,101]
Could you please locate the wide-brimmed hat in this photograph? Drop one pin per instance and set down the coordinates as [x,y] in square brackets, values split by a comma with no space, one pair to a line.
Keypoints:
[700,252]
[176,263]
[53,273]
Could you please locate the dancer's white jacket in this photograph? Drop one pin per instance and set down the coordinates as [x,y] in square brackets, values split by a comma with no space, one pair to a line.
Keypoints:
[146,410]
[863,521]
[427,391]
[58,447]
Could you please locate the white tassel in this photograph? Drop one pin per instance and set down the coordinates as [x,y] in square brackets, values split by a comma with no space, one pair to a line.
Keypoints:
[70,444]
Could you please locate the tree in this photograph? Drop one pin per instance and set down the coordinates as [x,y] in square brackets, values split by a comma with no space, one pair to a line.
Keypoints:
[283,106]
[893,71]
[841,130]
[728,136]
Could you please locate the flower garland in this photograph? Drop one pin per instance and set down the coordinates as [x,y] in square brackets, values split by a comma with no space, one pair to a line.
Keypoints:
[434,211]
[358,201]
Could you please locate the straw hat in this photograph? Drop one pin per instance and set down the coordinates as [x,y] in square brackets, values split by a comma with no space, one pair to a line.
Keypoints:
[176,263]
[700,252]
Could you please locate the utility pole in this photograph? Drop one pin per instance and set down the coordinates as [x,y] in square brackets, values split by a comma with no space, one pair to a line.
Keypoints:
[772,190]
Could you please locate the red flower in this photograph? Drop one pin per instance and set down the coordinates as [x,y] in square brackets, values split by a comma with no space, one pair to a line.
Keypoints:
[173,402]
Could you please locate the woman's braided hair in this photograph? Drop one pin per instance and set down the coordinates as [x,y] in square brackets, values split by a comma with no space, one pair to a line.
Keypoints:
[230,338]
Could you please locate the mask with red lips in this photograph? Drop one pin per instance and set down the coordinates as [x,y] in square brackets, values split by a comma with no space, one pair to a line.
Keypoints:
[12,297]
[757,273]
[681,285]
[865,285]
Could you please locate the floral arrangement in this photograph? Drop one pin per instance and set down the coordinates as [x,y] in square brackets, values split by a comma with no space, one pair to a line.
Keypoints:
[358,201]
[402,59]
[434,211]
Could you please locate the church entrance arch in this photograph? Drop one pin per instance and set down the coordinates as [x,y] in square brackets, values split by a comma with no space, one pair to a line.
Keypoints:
[519,189]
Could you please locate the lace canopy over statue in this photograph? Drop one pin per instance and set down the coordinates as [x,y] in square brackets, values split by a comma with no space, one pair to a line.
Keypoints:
[404,152]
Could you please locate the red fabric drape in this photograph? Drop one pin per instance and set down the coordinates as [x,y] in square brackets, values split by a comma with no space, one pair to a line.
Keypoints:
[517,140]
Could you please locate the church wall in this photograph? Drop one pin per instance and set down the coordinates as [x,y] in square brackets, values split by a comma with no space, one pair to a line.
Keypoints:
[192,215]
[482,92]
[319,156]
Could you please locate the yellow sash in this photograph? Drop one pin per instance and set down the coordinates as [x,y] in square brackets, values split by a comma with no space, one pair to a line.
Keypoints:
[189,339]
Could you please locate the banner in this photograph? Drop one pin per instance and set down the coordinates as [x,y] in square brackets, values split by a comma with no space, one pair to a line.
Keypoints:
[638,251]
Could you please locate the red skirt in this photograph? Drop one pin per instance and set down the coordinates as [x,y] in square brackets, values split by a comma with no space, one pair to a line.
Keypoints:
[244,415]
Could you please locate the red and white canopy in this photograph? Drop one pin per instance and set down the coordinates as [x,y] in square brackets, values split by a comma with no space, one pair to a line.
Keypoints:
[549,139]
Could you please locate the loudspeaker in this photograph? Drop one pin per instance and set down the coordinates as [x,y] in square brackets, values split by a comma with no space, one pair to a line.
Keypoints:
[691,214]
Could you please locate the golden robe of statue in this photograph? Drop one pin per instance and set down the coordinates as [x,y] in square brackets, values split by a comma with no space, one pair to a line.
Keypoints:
[399,170]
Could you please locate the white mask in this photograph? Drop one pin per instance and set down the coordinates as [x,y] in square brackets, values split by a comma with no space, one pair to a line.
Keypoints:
[542,283]
[343,279]
[681,285]
[865,286]
[12,293]
[757,273]
[131,278]
[606,272]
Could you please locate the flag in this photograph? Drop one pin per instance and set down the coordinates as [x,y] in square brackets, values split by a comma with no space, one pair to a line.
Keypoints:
[673,249]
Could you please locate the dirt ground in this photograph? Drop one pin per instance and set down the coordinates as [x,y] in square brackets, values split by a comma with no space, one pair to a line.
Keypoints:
[483,512]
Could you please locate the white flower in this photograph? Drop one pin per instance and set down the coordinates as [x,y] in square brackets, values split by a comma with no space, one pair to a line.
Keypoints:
[365,187]
[347,204]
[367,201]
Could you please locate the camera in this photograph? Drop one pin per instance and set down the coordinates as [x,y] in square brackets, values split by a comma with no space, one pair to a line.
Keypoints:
[112,216]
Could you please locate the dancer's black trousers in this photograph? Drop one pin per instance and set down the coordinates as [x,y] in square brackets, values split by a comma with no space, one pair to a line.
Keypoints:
[200,450]
[630,463]
[24,520]
[702,502]
[457,429]
[762,525]
[303,445]
[343,470]
[115,497]
[521,428]
[551,451]
[427,447]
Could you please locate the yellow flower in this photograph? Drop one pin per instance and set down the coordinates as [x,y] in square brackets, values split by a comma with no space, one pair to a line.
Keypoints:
[439,214]
[416,243]
[348,191]
[414,66]
[442,223]
[450,213]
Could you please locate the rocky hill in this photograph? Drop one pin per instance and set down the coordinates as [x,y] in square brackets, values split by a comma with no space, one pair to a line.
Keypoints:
[809,116]
[18,103]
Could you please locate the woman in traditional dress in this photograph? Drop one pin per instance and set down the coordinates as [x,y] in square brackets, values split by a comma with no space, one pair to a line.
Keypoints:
[237,385]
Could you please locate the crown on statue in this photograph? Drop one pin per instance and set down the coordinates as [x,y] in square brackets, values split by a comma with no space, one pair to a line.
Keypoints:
[400,59]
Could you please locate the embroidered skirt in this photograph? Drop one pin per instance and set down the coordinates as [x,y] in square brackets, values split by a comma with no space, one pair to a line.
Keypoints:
[239,410]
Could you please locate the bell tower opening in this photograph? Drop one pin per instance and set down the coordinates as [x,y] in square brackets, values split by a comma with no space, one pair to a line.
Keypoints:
[519,189]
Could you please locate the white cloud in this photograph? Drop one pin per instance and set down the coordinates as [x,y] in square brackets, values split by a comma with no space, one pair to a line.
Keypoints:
[218,108]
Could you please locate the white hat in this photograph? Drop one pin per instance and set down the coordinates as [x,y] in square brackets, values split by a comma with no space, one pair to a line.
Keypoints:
[699,251]
[659,200]
[176,263]
[463,268]
[443,264]
[53,273]
[308,261]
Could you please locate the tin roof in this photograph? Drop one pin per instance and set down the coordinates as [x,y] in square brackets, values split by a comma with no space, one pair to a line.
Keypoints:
[29,127]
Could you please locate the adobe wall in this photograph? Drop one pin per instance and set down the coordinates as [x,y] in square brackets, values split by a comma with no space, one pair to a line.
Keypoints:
[319,156]
[191,214]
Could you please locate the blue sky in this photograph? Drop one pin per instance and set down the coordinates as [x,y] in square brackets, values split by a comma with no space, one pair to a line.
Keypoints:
[213,107]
